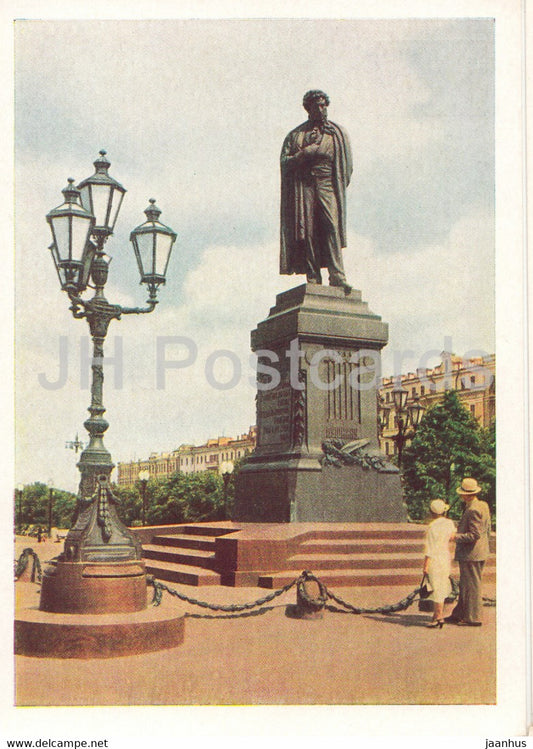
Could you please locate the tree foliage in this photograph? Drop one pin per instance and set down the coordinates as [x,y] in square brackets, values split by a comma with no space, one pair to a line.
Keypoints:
[180,498]
[32,506]
[448,445]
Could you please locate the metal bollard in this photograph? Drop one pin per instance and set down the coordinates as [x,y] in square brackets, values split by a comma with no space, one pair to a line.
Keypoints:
[311,598]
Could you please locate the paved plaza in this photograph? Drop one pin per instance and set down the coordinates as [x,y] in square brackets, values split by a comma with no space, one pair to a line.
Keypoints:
[266,657]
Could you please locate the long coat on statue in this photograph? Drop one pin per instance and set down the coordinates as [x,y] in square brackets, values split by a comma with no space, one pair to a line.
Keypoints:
[294,230]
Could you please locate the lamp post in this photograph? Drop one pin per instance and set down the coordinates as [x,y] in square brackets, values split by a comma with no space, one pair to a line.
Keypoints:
[407,418]
[74,444]
[80,227]
[143,478]
[18,509]
[226,469]
[50,507]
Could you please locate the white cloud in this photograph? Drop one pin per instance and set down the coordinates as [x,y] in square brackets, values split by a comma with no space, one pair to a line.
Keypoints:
[436,293]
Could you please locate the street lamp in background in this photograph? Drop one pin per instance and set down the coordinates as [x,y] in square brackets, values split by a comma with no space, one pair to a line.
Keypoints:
[18,506]
[50,507]
[407,418]
[226,469]
[143,478]
[74,444]
[100,570]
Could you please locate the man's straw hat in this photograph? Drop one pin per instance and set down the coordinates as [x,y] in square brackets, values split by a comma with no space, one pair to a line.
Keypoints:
[469,486]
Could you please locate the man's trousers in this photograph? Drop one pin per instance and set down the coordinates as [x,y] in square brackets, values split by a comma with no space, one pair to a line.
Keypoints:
[470,604]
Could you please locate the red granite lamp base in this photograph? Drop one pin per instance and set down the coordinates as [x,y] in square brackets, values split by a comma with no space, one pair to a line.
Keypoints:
[45,634]
[94,588]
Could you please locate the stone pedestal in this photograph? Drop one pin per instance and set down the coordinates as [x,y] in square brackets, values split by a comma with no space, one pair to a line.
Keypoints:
[317,456]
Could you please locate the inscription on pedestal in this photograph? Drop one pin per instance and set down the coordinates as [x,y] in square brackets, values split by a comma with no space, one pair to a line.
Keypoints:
[274,416]
[343,432]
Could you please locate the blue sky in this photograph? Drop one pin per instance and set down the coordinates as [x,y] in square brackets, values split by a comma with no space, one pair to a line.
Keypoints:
[193,113]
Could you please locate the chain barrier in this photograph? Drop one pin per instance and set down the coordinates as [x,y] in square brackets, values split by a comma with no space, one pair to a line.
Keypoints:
[22,563]
[232,608]
[402,605]
[324,595]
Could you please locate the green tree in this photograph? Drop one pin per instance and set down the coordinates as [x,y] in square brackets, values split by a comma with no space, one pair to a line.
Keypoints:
[184,498]
[32,507]
[179,498]
[448,445]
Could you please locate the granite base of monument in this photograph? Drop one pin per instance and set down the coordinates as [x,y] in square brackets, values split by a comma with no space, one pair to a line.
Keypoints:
[331,494]
[317,456]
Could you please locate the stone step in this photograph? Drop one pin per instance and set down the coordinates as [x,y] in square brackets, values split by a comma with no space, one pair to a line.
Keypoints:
[183,541]
[354,561]
[370,531]
[359,578]
[346,578]
[194,557]
[181,573]
[371,546]
[207,530]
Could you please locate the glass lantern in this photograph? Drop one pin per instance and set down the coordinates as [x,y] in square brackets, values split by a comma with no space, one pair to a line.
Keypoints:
[102,196]
[72,251]
[152,244]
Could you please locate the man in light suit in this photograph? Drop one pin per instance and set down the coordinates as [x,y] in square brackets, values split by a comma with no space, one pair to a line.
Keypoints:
[471,551]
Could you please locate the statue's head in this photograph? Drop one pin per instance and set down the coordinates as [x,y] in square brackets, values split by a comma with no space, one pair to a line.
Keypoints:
[316,103]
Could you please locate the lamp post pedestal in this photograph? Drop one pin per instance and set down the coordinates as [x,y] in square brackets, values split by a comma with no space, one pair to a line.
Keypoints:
[93,601]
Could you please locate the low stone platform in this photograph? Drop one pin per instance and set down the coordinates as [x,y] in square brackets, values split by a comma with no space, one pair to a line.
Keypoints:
[50,635]
[270,555]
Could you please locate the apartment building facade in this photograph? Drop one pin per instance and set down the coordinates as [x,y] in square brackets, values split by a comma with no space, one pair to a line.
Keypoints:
[189,458]
[473,379]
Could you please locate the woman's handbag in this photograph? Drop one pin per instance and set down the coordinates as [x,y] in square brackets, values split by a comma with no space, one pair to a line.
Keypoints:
[425,603]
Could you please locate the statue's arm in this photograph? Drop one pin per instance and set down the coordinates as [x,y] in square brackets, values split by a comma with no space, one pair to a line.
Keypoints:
[287,152]
[292,153]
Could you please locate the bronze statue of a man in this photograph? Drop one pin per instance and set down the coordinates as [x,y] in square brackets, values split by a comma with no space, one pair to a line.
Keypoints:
[316,166]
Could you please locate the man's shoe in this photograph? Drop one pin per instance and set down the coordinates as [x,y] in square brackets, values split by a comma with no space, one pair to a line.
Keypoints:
[469,624]
[451,620]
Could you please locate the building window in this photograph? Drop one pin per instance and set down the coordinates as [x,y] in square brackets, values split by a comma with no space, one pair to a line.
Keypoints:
[422,390]
[413,392]
[473,410]
[386,448]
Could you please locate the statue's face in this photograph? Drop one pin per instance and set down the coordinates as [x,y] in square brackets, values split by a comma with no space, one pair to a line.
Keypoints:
[318,110]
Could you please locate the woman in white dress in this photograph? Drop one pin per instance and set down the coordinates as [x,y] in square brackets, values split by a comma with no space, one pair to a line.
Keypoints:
[438,560]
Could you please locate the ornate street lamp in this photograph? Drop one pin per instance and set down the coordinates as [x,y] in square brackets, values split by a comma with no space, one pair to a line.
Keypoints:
[74,444]
[50,506]
[100,569]
[407,418]
[143,478]
[19,494]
